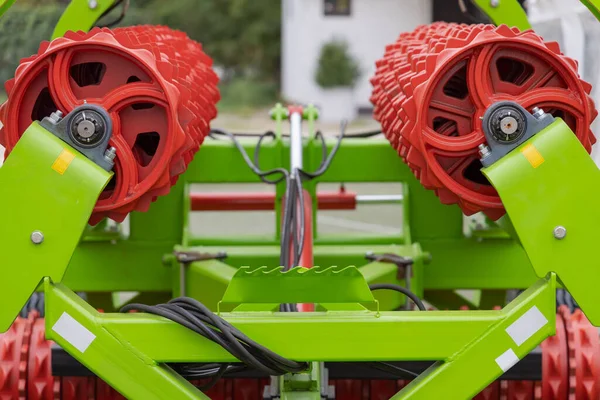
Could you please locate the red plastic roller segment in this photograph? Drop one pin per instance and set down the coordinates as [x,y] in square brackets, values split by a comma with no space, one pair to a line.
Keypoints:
[433,85]
[157,86]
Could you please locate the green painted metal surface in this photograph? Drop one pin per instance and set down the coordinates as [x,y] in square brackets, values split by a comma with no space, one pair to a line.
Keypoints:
[126,368]
[303,386]
[479,359]
[565,194]
[508,12]
[54,203]
[267,285]
[593,6]
[5,5]
[80,15]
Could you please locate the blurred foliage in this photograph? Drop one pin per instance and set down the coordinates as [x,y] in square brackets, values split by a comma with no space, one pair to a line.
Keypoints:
[243,95]
[22,29]
[242,36]
[337,67]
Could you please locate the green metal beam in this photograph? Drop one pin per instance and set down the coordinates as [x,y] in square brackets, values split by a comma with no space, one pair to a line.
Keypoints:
[80,15]
[326,336]
[593,6]
[525,323]
[507,12]
[60,190]
[565,197]
[73,324]
[5,5]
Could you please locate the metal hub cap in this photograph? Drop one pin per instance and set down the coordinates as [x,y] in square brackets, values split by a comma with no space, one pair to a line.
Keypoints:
[87,128]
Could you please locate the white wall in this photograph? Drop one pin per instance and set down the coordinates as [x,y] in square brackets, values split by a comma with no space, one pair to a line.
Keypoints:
[372,25]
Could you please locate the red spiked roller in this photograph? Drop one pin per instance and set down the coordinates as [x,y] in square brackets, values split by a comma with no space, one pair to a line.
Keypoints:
[157,85]
[434,84]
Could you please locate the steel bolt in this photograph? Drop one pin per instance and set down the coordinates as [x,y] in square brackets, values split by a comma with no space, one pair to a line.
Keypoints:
[110,153]
[560,232]
[37,237]
[538,113]
[92,4]
[494,3]
[56,116]
[484,150]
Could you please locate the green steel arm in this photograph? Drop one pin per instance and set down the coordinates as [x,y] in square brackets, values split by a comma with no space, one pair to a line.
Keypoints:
[525,323]
[563,191]
[80,15]
[127,350]
[46,186]
[507,12]
[593,6]
[5,5]
[74,325]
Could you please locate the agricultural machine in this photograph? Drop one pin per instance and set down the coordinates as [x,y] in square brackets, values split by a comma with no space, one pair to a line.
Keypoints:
[108,125]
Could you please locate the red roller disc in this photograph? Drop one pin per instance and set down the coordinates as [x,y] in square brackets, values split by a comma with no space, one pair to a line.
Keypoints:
[157,86]
[433,86]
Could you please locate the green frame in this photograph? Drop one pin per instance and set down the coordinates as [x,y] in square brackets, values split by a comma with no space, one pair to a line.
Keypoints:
[129,351]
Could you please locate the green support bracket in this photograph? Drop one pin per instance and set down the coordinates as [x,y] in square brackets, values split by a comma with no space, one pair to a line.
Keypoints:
[556,219]
[507,12]
[263,285]
[303,386]
[45,217]
[81,15]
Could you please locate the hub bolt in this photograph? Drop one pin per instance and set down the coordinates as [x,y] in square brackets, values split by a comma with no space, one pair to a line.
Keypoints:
[110,153]
[37,237]
[560,232]
[538,113]
[484,151]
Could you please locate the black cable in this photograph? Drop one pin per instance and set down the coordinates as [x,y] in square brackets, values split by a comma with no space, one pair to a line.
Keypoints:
[302,216]
[262,174]
[391,368]
[327,162]
[363,135]
[117,20]
[403,290]
[198,318]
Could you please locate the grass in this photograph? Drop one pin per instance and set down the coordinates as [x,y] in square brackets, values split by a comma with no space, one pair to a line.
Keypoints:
[244,96]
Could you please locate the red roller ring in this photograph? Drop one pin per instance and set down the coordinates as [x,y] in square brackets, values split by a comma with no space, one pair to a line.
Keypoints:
[432,86]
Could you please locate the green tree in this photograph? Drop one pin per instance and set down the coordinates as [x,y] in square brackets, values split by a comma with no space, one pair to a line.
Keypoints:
[242,36]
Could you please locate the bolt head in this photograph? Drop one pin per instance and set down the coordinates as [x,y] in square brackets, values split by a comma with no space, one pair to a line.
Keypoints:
[92,4]
[494,3]
[560,232]
[37,237]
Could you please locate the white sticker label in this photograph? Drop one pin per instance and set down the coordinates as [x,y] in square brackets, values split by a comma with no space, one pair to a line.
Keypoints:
[507,359]
[73,332]
[526,326]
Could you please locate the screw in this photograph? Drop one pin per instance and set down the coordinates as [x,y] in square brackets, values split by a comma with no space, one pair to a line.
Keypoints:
[56,116]
[484,150]
[560,232]
[538,113]
[92,4]
[110,154]
[37,237]
[494,3]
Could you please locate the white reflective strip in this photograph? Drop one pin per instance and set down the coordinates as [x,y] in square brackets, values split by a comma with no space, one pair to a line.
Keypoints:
[507,359]
[526,326]
[73,332]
